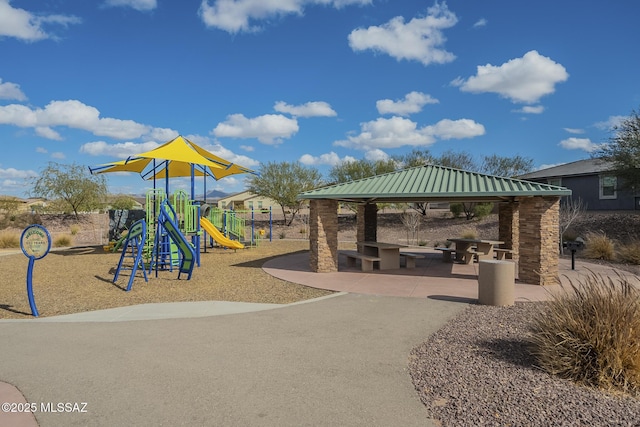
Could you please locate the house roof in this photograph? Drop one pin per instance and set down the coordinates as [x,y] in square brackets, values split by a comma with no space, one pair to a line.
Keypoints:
[433,183]
[580,167]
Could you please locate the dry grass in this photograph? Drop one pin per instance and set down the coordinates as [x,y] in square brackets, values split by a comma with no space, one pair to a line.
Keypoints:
[599,246]
[9,239]
[591,335]
[80,279]
[629,252]
[62,241]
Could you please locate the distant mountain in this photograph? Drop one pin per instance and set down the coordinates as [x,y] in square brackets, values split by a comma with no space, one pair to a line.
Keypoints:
[216,194]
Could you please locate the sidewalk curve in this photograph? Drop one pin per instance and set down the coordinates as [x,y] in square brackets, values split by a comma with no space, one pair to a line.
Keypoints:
[336,361]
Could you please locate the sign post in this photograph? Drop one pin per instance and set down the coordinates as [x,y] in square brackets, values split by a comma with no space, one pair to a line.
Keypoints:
[35,243]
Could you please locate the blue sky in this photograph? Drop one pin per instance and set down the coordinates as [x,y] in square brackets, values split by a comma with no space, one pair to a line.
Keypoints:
[315,81]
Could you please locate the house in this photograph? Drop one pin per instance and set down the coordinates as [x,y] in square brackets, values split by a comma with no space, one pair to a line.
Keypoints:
[246,200]
[590,180]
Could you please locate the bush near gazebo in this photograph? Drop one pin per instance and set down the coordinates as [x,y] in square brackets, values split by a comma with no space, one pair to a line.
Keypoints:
[591,334]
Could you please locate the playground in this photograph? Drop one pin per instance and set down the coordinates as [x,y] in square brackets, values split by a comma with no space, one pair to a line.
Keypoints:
[80,279]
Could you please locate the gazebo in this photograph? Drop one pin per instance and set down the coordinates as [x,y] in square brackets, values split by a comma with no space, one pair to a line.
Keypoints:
[528,212]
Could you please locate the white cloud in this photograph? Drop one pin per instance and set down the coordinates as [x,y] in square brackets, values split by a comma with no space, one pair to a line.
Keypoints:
[412,103]
[579,144]
[309,109]
[610,123]
[375,155]
[141,5]
[574,131]
[24,25]
[47,132]
[72,114]
[268,129]
[14,181]
[235,16]
[58,155]
[12,91]
[523,80]
[396,132]
[331,159]
[531,109]
[119,150]
[41,150]
[420,39]
[480,23]
[12,173]
[220,151]
[248,148]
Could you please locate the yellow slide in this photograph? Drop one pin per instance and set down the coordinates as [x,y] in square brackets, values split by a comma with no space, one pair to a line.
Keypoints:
[218,236]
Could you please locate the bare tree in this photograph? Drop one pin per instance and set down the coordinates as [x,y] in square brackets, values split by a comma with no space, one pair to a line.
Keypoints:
[411,220]
[569,212]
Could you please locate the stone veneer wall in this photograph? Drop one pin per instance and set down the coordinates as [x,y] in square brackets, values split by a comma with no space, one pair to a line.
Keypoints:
[508,226]
[539,239]
[323,235]
[367,223]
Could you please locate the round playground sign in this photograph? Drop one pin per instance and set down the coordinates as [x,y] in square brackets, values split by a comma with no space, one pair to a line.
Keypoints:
[35,241]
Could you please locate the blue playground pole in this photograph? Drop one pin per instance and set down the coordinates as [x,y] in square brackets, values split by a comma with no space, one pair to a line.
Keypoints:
[271,223]
[35,243]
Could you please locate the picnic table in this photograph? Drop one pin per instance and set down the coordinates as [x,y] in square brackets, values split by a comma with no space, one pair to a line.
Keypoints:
[467,249]
[389,253]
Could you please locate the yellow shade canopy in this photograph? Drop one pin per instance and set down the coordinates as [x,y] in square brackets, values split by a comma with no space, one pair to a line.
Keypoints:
[174,159]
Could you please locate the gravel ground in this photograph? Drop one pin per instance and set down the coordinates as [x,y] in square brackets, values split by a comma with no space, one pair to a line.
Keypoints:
[476,371]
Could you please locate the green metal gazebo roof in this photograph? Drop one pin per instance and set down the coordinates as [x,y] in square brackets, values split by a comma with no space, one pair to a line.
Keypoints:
[433,183]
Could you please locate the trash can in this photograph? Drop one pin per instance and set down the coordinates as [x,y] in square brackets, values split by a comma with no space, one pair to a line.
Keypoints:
[496,282]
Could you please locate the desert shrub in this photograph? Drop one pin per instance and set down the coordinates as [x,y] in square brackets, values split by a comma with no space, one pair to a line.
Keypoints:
[591,334]
[469,234]
[456,209]
[629,252]
[283,235]
[62,241]
[599,246]
[75,229]
[482,210]
[9,240]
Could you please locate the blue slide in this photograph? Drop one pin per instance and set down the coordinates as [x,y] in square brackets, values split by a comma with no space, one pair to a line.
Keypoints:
[165,219]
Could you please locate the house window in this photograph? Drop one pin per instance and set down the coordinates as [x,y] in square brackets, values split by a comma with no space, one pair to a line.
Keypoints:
[608,185]
[555,181]
[250,205]
[259,204]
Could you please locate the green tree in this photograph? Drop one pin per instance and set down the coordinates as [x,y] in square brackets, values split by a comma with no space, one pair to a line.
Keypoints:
[9,205]
[458,160]
[509,167]
[623,151]
[122,202]
[358,169]
[72,185]
[283,182]
[416,158]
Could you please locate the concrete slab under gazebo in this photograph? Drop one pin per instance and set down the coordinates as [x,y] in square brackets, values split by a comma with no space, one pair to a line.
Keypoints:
[528,213]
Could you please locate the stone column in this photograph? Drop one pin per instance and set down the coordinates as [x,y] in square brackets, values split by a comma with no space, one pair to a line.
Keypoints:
[323,235]
[508,226]
[539,237]
[367,223]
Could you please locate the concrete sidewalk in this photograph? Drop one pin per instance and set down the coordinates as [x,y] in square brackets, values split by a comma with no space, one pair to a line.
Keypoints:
[336,361]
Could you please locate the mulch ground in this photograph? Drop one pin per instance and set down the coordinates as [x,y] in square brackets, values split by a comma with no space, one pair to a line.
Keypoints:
[81,279]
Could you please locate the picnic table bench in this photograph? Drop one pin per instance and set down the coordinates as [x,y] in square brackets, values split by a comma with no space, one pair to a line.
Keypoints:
[503,253]
[447,254]
[410,259]
[366,261]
